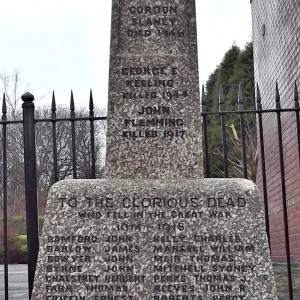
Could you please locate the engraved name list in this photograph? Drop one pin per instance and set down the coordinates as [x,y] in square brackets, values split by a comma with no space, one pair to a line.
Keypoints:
[183,264]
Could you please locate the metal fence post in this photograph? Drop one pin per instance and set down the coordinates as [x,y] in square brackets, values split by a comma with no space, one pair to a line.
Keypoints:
[30,186]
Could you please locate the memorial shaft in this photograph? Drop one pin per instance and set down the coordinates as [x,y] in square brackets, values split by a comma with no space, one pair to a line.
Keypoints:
[154,128]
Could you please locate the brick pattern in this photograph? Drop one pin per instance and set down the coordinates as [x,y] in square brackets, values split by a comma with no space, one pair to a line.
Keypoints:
[277,58]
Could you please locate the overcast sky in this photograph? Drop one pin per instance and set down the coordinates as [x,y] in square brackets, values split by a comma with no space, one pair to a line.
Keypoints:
[64,44]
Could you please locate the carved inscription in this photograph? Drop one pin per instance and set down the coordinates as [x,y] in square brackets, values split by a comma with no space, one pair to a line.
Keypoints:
[181,264]
[154,21]
[158,84]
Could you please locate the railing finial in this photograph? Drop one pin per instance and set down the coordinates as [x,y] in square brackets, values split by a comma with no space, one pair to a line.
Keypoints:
[72,104]
[27,97]
[221,98]
[258,98]
[203,99]
[91,103]
[241,105]
[277,97]
[53,104]
[296,96]
[4,111]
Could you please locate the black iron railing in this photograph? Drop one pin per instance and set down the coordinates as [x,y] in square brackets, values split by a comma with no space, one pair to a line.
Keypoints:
[259,113]
[30,181]
[226,165]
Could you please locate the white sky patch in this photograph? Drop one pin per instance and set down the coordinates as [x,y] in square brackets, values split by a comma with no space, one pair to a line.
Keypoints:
[64,44]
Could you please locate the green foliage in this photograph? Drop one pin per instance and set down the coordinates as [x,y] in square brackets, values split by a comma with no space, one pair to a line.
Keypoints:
[22,242]
[22,238]
[19,223]
[16,249]
[17,242]
[236,67]
[23,248]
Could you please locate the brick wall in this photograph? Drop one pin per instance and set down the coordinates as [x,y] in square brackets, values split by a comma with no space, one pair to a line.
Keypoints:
[276,39]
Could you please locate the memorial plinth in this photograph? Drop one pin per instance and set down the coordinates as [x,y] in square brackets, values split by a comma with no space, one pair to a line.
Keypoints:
[161,240]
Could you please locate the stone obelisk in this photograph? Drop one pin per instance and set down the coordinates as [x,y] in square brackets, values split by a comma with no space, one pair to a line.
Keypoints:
[154,229]
[154,128]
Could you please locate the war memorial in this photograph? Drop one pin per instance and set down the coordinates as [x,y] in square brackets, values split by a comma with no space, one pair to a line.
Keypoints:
[154,229]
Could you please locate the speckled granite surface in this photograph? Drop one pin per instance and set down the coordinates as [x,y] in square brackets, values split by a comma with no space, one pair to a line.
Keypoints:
[154,128]
[154,239]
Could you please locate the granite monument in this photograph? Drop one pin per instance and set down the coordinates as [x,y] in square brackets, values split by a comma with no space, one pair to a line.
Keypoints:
[154,229]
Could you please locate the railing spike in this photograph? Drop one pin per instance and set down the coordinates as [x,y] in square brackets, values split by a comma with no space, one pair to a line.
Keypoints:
[221,94]
[91,104]
[221,98]
[258,98]
[4,111]
[278,106]
[53,105]
[296,96]
[72,105]
[203,99]
[241,105]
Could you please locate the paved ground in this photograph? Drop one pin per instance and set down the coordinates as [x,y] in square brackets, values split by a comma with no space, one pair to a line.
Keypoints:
[18,289]
[18,282]
[282,282]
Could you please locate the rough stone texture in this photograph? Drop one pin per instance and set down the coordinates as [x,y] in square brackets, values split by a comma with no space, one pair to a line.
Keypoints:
[277,57]
[238,225]
[172,50]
